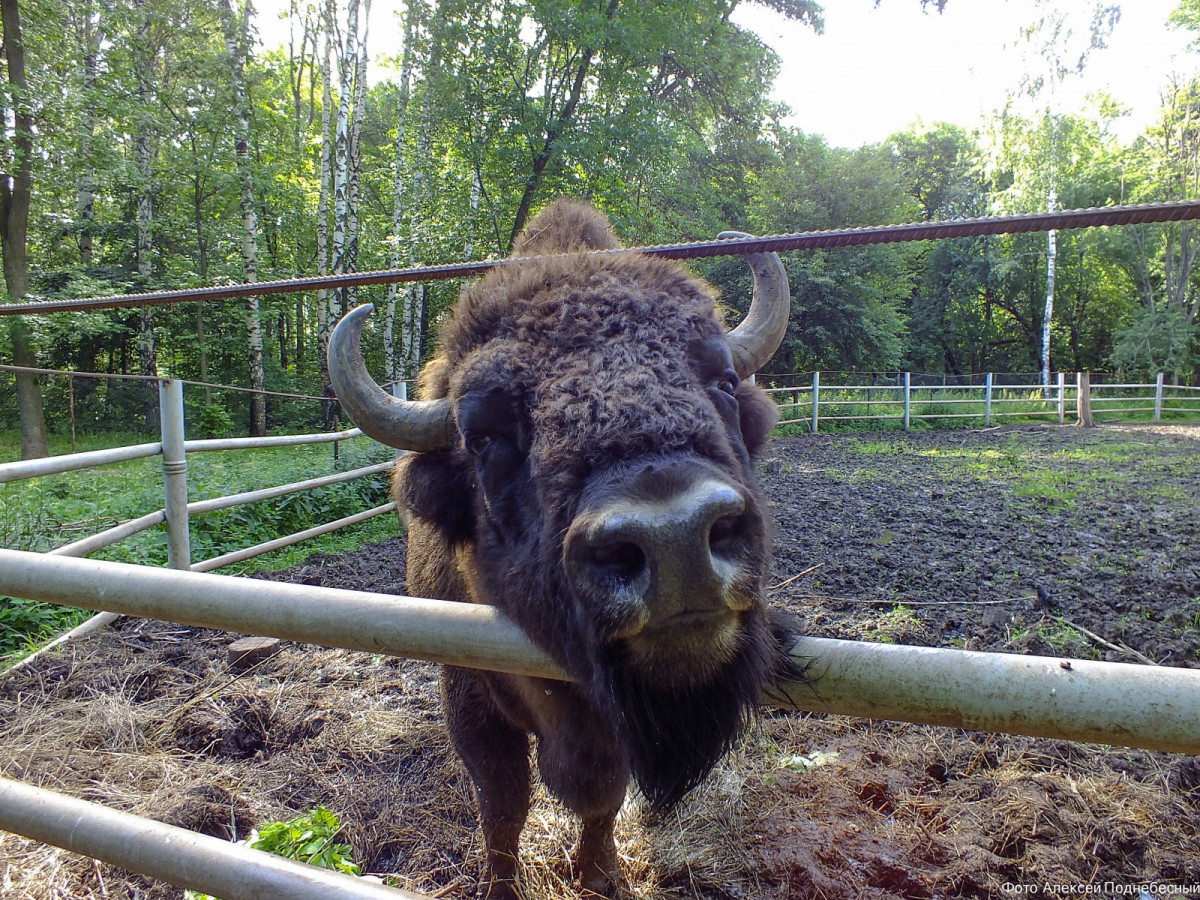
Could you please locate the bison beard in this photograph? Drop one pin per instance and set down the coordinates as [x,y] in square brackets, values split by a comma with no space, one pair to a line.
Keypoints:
[584,462]
[677,734]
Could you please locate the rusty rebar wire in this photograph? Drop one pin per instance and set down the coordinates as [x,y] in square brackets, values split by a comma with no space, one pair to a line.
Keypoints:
[1062,220]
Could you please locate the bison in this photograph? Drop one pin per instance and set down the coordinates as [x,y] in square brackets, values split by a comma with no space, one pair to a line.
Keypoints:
[584,462]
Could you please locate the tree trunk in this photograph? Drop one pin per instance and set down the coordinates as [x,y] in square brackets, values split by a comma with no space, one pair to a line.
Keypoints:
[235,42]
[348,68]
[147,346]
[89,33]
[323,295]
[354,162]
[400,251]
[16,188]
[1048,312]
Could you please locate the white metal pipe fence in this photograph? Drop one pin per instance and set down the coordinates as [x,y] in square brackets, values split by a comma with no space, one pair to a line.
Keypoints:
[175,855]
[1155,707]
[177,510]
[908,400]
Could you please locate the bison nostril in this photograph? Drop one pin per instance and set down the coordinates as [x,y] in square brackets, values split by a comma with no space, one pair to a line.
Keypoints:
[622,560]
[725,533]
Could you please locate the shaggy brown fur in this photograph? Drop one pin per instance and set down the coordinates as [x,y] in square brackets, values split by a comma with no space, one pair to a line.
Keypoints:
[582,385]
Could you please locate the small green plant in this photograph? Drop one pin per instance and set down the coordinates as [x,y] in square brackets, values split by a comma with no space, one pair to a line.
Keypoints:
[894,626]
[308,838]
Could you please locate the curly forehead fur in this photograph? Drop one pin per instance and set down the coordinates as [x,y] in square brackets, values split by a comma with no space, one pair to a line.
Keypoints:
[564,305]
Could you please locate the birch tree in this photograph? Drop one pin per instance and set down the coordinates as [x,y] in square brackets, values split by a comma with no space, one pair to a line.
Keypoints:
[236,40]
[144,70]
[399,251]
[1061,50]
[343,152]
[88,35]
[324,301]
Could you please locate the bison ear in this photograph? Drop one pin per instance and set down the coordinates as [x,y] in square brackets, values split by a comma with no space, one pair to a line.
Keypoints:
[758,416]
[436,489]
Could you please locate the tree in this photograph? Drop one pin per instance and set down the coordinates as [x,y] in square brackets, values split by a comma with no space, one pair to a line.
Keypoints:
[236,40]
[1062,51]
[847,305]
[16,188]
[1161,259]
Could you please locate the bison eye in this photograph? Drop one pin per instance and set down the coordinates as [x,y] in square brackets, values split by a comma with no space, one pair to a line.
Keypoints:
[728,386]
[476,443]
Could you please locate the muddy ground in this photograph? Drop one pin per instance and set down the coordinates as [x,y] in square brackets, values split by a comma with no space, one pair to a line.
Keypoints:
[1055,541]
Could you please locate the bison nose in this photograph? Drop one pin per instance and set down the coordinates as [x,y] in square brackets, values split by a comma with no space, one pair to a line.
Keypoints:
[651,561]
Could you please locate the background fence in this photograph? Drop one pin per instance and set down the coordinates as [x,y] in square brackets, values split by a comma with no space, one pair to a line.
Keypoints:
[905,399]
[810,402]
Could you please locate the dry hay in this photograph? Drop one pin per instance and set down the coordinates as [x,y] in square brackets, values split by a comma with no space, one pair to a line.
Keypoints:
[148,719]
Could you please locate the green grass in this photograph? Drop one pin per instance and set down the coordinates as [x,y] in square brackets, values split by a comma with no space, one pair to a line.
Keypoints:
[40,514]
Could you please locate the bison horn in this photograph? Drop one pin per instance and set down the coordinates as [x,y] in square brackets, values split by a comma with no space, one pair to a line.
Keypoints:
[408,424]
[755,341]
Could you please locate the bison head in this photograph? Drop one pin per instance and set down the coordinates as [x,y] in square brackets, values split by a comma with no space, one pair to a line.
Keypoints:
[584,463]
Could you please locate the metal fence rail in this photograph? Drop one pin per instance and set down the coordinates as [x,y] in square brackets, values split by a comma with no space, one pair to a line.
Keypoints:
[177,510]
[908,401]
[1155,707]
[174,855]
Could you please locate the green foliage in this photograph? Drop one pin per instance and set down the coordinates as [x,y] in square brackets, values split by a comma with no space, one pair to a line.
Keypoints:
[310,838]
[1157,340]
[658,113]
[24,624]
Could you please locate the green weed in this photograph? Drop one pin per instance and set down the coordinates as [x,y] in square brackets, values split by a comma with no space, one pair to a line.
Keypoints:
[309,838]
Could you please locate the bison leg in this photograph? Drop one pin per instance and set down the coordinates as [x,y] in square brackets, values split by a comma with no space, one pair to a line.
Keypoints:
[596,859]
[496,755]
[585,766]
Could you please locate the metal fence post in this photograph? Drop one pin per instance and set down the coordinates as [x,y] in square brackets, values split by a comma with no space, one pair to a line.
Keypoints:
[907,400]
[1062,397]
[170,401]
[987,400]
[1158,397]
[816,398]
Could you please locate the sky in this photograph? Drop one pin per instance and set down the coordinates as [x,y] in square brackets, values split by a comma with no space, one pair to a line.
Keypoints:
[879,69]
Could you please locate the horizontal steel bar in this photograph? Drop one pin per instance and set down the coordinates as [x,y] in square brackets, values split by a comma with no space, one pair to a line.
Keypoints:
[779,243]
[69,462]
[823,403]
[258,443]
[172,854]
[435,630]
[1029,413]
[109,536]
[1154,707]
[823,418]
[236,556]
[199,507]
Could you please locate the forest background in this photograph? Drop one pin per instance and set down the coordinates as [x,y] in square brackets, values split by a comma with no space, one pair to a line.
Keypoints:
[147,144]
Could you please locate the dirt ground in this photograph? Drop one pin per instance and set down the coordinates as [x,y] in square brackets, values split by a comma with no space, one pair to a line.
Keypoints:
[1055,541]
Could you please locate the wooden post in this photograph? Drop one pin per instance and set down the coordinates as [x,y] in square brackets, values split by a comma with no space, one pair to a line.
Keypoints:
[1062,396]
[987,400]
[1158,397]
[1083,400]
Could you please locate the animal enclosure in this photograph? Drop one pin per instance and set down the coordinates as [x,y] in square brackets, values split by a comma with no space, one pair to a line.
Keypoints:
[935,538]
